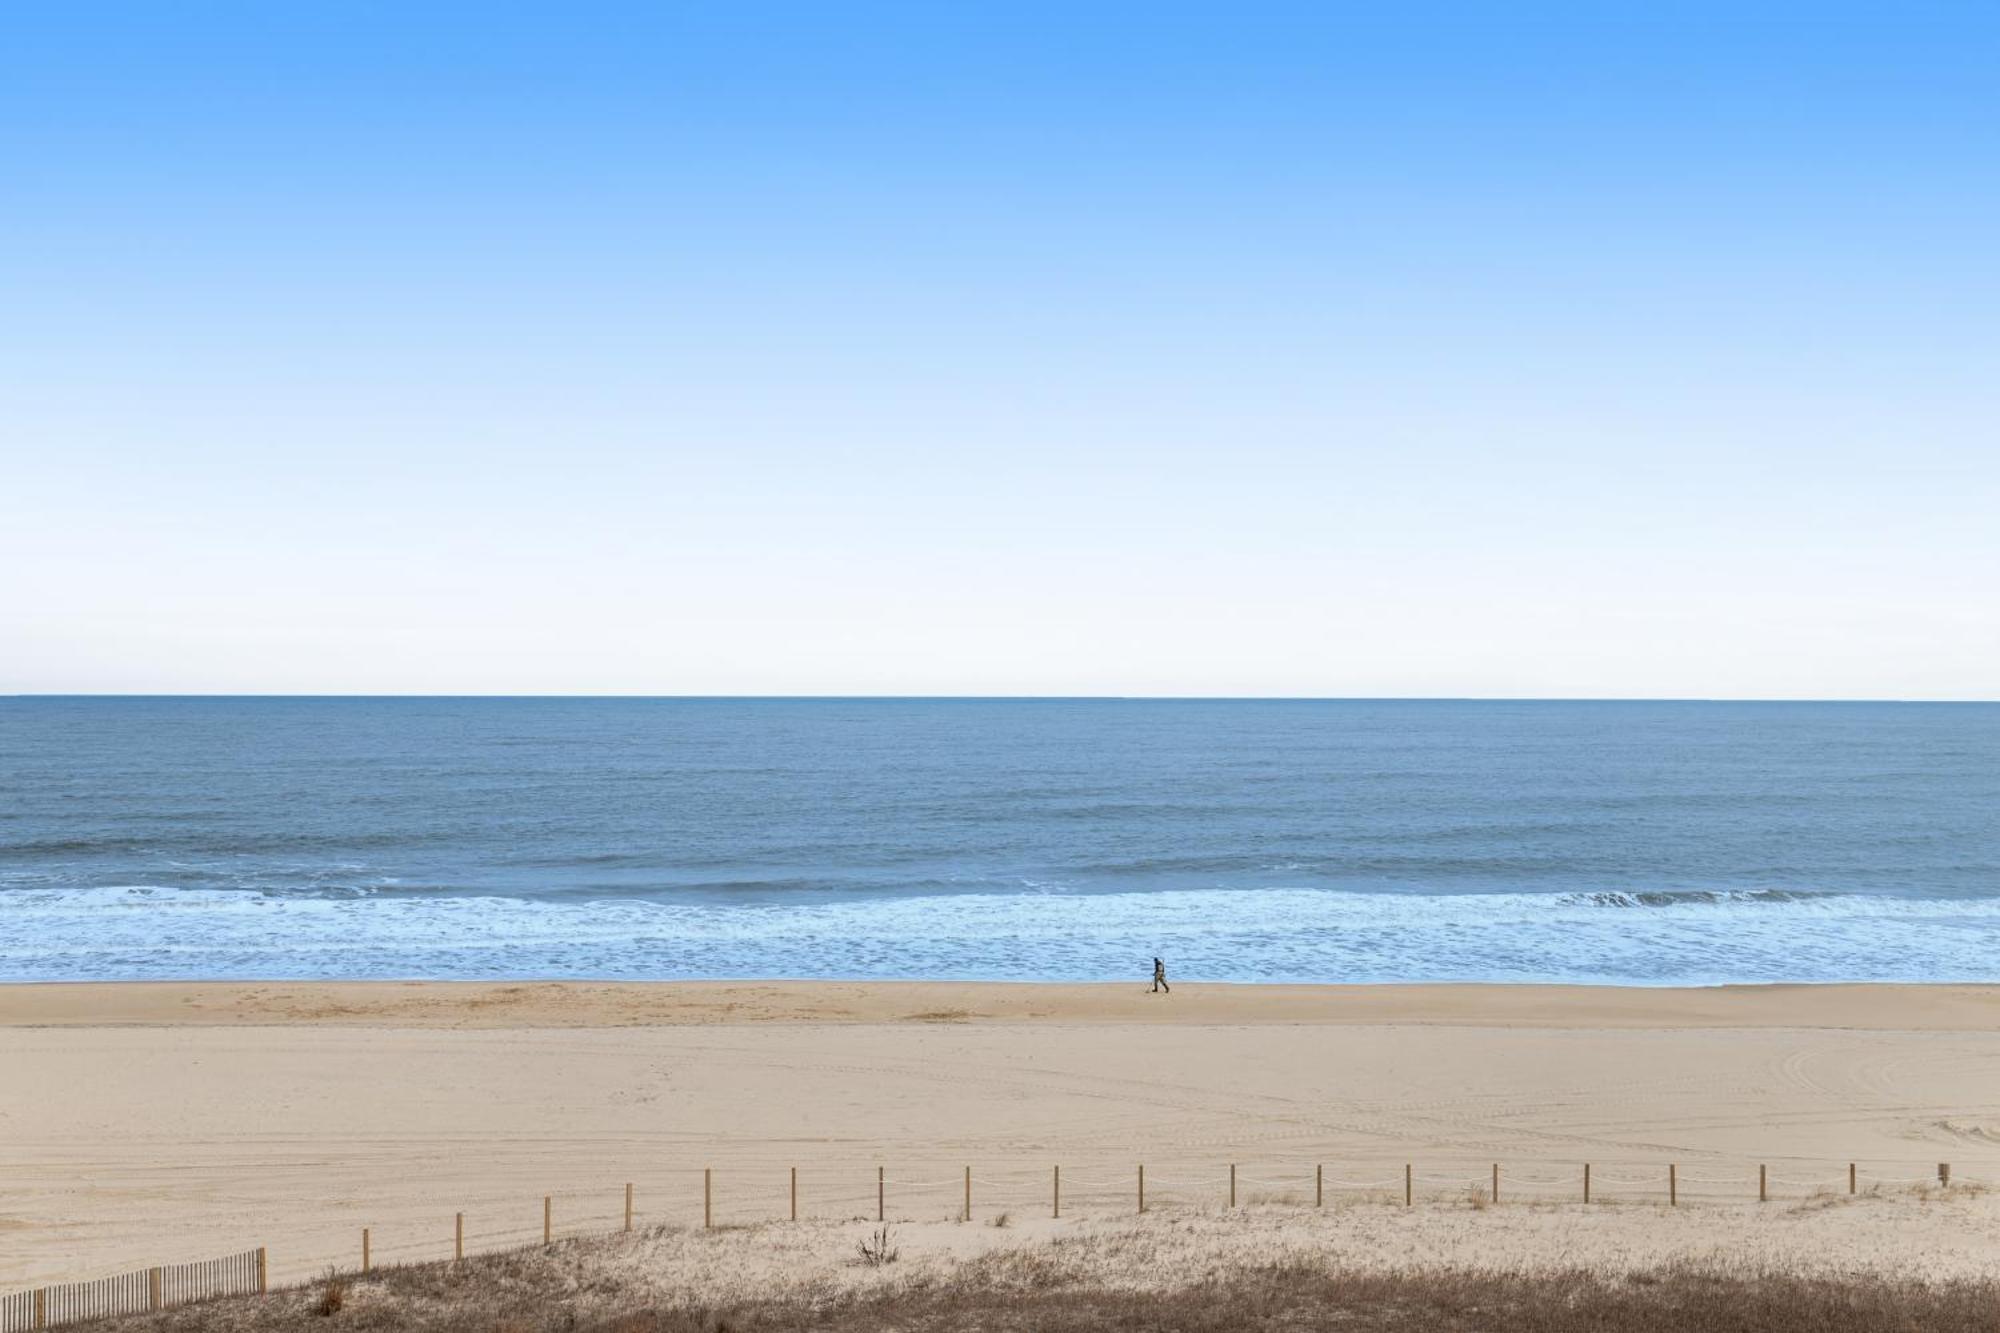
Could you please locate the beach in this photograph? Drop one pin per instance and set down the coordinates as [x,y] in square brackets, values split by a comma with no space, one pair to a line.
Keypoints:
[152,1123]
[999,669]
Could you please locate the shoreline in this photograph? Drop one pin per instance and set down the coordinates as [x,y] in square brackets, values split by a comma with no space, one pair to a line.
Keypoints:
[1862,1006]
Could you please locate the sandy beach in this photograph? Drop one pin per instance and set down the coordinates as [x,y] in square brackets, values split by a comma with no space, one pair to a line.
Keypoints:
[153,1123]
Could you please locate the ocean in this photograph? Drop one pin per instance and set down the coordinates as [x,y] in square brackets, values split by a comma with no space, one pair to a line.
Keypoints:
[1296,841]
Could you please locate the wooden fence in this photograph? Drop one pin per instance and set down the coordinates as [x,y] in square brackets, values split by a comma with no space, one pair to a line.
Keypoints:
[744,1195]
[747,1196]
[137,1292]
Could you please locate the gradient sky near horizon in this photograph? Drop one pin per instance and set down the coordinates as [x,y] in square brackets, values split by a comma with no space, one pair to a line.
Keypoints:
[1301,349]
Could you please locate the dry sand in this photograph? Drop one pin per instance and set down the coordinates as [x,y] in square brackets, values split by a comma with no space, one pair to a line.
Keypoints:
[150,1123]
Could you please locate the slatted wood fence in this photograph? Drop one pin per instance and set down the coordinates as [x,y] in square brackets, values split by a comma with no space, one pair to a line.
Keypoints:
[137,1292]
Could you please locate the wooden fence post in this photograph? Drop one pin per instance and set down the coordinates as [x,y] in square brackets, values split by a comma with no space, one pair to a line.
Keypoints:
[1763,1194]
[1850,1177]
[263,1272]
[1142,1187]
[1406,1184]
[628,1205]
[152,1288]
[1055,1195]
[1319,1185]
[881,1195]
[1232,1184]
[1944,1174]
[707,1197]
[1673,1185]
[795,1194]
[968,1194]
[1496,1182]
[367,1260]
[1586,1182]
[41,1307]
[458,1238]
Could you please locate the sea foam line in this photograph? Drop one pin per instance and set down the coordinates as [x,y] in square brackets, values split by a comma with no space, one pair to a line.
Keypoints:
[1276,934]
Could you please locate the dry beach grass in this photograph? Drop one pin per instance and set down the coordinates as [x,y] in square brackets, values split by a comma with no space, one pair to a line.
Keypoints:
[1256,1268]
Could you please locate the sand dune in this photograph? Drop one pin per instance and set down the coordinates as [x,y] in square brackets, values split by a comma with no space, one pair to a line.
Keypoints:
[152,1123]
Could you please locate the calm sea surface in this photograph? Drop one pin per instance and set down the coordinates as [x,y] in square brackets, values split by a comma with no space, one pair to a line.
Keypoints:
[1248,841]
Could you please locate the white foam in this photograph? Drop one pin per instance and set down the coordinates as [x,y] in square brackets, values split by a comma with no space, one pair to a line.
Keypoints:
[1275,934]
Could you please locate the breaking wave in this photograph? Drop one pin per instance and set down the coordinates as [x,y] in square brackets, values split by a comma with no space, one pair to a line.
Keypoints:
[1687,897]
[1685,937]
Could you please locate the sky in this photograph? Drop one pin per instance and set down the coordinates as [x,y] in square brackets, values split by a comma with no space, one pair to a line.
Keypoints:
[1458,350]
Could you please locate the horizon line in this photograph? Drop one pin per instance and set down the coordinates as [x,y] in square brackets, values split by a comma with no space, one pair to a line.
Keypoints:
[1000,698]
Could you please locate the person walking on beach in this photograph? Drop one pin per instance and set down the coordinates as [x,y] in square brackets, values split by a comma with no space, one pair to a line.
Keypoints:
[1160,978]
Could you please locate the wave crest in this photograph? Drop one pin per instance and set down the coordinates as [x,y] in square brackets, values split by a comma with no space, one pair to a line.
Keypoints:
[1689,897]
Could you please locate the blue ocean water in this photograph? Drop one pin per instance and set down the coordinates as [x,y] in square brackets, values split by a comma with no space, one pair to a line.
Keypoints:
[1647,843]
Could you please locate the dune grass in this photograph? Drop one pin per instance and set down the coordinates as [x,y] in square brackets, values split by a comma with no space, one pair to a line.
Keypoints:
[1056,1288]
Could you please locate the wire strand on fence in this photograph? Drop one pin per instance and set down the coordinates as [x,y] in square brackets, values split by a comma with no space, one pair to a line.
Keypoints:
[747,1193]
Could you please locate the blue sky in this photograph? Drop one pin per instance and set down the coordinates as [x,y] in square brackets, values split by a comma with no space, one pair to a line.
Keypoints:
[1246,349]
